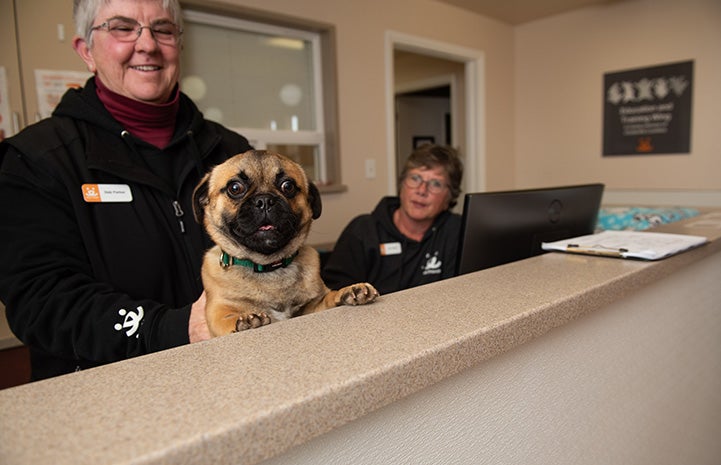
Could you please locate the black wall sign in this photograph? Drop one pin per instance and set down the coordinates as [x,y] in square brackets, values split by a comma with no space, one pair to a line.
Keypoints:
[648,110]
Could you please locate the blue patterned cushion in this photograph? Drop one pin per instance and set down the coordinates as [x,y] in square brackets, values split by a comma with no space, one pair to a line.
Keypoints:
[640,218]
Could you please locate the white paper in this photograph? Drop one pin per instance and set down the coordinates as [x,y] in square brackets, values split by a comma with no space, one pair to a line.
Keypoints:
[628,244]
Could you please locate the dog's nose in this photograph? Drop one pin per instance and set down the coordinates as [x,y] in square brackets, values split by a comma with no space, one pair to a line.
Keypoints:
[264,202]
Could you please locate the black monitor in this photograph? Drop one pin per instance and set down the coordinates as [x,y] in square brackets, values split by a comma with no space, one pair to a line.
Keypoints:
[501,227]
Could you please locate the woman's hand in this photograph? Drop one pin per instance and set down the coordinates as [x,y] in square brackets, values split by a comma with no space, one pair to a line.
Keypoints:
[198,326]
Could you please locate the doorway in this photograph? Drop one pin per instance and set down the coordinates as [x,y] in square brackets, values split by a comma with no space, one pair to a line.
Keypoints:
[428,102]
[417,67]
[424,115]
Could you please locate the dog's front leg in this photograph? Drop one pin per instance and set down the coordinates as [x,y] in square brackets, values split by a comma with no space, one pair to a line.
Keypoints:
[252,320]
[355,294]
[224,319]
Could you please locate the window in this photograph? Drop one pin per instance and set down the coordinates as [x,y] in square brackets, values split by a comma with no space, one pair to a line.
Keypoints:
[264,81]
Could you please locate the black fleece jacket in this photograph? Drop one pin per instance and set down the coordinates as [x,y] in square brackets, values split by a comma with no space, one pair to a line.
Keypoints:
[371,249]
[87,283]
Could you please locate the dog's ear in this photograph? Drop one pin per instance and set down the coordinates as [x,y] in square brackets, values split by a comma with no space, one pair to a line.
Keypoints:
[314,200]
[201,199]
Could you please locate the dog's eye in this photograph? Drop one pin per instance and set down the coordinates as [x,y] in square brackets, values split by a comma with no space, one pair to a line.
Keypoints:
[288,188]
[236,189]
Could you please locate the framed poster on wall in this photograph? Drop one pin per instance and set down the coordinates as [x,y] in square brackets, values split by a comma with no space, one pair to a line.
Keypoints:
[648,110]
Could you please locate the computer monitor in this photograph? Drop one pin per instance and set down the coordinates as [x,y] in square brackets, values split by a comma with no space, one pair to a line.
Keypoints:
[501,227]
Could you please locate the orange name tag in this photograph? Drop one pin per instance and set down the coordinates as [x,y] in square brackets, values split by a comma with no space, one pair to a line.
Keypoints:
[107,193]
[391,248]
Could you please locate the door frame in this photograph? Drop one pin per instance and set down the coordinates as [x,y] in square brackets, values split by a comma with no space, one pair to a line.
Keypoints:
[474,62]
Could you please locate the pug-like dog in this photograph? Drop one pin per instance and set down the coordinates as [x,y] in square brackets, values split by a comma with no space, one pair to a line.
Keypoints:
[258,207]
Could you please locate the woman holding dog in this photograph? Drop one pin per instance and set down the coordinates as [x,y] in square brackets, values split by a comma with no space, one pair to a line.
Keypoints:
[407,240]
[101,255]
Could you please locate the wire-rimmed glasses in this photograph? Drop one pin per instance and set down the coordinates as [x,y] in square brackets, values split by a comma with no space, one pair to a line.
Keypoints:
[129,30]
[415,181]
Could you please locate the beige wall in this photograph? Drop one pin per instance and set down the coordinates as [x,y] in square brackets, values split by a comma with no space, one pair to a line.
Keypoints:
[560,64]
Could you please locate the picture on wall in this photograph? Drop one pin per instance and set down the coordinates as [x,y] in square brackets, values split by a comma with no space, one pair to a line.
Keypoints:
[648,110]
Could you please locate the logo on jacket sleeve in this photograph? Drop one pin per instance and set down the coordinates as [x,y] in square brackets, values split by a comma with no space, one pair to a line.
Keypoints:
[131,321]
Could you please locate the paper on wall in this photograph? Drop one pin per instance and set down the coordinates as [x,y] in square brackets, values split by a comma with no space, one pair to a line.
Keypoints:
[52,84]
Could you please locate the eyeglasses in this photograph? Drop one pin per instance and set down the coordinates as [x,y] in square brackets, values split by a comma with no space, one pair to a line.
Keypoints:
[415,181]
[129,30]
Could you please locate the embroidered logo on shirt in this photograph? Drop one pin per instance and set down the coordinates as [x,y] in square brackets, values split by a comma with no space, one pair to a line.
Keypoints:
[131,321]
[433,264]
[106,193]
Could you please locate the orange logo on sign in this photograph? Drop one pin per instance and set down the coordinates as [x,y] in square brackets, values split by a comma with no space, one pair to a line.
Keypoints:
[644,145]
[91,192]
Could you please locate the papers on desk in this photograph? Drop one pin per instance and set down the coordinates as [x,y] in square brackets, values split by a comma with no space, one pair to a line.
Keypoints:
[627,244]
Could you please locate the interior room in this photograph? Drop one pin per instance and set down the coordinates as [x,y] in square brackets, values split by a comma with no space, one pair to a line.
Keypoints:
[553,359]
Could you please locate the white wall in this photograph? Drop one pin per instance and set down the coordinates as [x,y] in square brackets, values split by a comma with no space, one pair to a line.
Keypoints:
[560,62]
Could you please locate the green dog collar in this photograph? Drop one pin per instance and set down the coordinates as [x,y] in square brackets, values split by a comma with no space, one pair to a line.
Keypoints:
[226,261]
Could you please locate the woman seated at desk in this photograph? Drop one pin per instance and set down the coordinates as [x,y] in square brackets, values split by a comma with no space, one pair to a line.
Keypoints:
[407,240]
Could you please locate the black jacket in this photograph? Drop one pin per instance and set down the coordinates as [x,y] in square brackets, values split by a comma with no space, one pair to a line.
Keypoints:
[371,249]
[87,283]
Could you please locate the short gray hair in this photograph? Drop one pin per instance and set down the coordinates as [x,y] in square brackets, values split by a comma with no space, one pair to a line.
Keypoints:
[85,12]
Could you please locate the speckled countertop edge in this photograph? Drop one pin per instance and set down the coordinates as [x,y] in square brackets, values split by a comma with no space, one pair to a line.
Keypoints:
[251,396]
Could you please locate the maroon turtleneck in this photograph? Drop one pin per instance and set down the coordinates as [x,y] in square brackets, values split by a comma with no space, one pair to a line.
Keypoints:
[153,123]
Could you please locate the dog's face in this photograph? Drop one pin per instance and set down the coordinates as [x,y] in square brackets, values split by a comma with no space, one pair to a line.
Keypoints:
[257,205]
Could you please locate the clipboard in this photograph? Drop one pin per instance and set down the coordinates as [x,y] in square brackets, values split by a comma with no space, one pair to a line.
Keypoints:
[643,245]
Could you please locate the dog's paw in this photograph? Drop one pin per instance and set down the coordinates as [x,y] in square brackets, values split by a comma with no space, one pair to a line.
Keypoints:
[357,294]
[253,320]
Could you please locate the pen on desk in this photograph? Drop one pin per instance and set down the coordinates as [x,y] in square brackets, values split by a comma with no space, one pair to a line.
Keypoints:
[604,252]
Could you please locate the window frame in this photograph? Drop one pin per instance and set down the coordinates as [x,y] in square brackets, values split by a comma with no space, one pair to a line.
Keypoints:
[325,136]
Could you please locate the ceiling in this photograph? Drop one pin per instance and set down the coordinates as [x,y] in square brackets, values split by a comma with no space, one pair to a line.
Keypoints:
[522,11]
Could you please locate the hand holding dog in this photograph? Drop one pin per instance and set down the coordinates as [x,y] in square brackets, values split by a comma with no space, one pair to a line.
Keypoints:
[198,330]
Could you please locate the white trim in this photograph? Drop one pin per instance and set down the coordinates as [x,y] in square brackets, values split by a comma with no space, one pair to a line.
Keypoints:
[321,165]
[475,152]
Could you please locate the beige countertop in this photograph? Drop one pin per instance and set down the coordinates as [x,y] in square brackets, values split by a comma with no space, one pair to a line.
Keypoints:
[250,396]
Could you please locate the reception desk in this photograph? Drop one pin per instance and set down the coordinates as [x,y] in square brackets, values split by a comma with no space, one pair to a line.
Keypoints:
[561,359]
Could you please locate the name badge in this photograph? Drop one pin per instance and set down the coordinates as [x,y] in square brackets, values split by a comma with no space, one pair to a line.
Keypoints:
[107,193]
[391,248]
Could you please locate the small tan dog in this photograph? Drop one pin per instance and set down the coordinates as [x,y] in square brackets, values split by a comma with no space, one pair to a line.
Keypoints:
[258,207]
